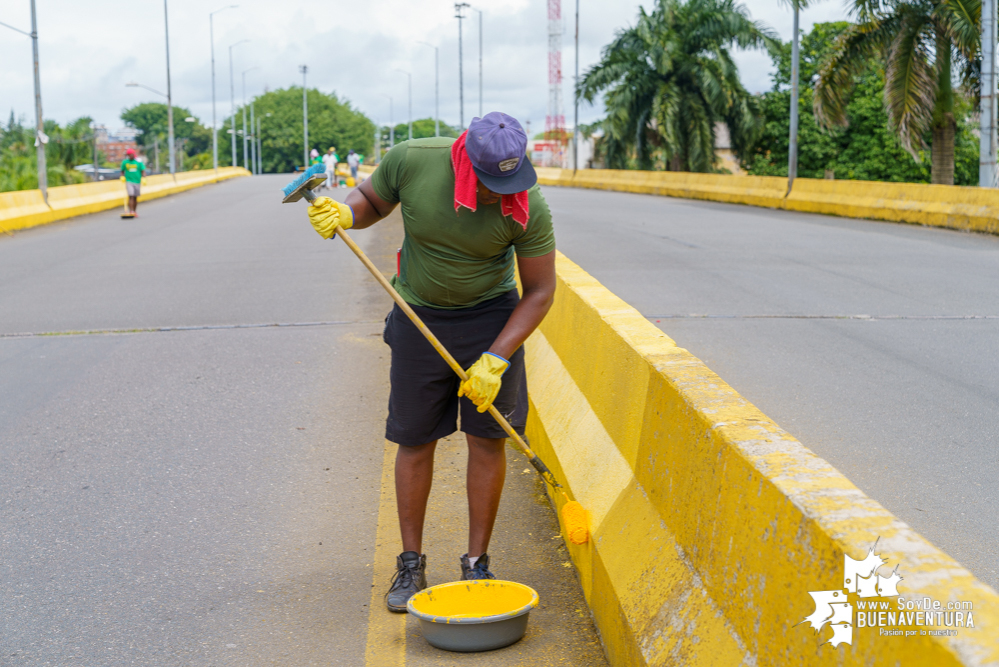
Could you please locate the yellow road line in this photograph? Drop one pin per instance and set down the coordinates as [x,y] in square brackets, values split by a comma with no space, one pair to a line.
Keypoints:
[386,631]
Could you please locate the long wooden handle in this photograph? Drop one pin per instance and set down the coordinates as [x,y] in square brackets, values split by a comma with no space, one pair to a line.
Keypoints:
[439,347]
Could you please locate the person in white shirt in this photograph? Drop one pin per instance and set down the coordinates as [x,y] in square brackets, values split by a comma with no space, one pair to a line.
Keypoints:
[330,160]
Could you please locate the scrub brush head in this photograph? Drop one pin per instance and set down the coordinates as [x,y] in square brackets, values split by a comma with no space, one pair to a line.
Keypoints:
[291,189]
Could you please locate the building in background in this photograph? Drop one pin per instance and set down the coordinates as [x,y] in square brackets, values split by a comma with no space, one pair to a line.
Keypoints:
[115,145]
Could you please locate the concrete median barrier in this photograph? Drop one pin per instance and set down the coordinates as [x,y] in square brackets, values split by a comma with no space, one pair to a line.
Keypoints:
[26,208]
[955,207]
[712,528]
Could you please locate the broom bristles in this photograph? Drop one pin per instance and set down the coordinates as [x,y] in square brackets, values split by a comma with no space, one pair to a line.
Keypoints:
[574,521]
[314,170]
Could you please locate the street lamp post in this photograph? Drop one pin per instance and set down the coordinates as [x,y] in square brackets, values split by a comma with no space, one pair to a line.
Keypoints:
[304,69]
[987,142]
[246,156]
[215,133]
[792,153]
[410,76]
[792,144]
[391,122]
[232,100]
[480,59]
[93,137]
[458,6]
[40,138]
[260,144]
[575,119]
[166,27]
[437,106]
[253,142]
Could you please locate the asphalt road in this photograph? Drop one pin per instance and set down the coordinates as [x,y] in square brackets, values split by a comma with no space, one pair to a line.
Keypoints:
[875,344]
[182,487]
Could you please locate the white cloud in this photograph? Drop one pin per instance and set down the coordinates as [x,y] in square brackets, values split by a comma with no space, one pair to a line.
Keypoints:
[88,51]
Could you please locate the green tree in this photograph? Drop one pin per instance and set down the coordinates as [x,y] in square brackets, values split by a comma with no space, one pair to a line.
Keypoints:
[332,122]
[670,78]
[866,149]
[918,41]
[68,147]
[150,118]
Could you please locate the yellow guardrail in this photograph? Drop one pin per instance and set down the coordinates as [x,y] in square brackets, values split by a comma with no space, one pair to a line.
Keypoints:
[955,207]
[25,208]
[710,524]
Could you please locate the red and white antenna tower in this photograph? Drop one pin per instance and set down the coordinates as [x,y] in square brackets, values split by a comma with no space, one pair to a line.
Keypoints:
[555,121]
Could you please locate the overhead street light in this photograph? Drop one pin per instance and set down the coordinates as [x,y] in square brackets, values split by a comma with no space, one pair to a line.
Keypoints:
[215,133]
[133,84]
[437,106]
[40,138]
[232,98]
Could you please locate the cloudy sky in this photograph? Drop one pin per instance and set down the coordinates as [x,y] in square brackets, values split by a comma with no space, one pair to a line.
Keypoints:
[89,50]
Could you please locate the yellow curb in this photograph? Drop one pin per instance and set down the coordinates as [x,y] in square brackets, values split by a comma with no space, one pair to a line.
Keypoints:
[952,206]
[710,524]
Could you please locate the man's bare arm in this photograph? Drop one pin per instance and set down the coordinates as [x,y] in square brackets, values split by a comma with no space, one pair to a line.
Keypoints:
[368,207]
[537,276]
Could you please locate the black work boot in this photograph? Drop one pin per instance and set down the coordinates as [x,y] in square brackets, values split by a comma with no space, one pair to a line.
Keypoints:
[410,578]
[479,571]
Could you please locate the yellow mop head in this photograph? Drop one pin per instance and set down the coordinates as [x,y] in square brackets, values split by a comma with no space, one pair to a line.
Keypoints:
[574,520]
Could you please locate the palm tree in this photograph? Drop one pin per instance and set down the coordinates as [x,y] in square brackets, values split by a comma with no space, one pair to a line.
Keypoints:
[670,78]
[918,42]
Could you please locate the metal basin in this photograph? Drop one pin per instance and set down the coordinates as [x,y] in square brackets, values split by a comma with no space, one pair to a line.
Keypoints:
[472,616]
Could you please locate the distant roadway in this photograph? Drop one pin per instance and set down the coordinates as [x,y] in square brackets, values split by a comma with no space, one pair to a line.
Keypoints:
[875,344]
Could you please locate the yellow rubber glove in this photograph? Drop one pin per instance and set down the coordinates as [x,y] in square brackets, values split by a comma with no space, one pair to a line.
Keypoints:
[143,180]
[122,178]
[483,383]
[325,214]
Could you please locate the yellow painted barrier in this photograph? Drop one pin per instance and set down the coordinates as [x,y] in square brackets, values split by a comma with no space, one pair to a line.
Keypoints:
[956,207]
[710,524]
[26,208]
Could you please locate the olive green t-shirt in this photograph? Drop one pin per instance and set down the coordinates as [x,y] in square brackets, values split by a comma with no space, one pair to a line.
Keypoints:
[453,259]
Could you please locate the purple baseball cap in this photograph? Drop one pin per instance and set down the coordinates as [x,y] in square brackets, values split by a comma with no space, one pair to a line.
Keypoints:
[497,146]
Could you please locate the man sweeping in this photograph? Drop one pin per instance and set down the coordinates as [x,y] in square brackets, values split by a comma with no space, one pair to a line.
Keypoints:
[132,172]
[471,208]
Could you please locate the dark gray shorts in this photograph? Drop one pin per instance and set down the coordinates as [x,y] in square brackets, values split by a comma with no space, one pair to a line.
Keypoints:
[423,402]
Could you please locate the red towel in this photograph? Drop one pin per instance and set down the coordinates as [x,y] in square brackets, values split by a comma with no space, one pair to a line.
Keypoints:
[465,183]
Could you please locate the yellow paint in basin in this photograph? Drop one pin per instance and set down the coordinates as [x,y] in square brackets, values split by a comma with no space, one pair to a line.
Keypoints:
[473,601]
